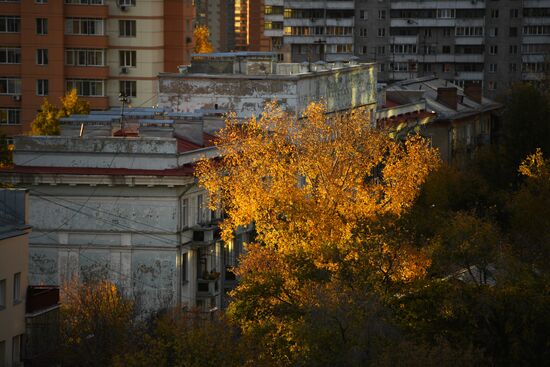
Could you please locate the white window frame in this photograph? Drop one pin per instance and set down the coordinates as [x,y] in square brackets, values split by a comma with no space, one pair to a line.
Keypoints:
[13,86]
[85,26]
[82,84]
[12,55]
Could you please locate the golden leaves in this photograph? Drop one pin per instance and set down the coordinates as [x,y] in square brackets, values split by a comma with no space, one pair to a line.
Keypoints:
[306,183]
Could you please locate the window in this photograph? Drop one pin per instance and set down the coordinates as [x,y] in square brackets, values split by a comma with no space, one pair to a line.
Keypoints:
[84,2]
[381,32]
[380,50]
[363,14]
[8,116]
[10,55]
[494,13]
[127,28]
[493,50]
[42,87]
[127,58]
[493,32]
[492,85]
[84,57]
[128,88]
[364,50]
[445,13]
[10,86]
[10,24]
[363,32]
[126,2]
[446,49]
[493,68]
[42,56]
[514,13]
[199,217]
[447,32]
[41,1]
[85,87]
[513,67]
[513,49]
[2,292]
[16,350]
[427,32]
[469,31]
[84,26]
[184,278]
[16,288]
[184,213]
[381,14]
[41,26]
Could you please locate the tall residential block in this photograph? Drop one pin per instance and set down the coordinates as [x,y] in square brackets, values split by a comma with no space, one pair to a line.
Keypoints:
[310,30]
[100,47]
[496,43]
[219,17]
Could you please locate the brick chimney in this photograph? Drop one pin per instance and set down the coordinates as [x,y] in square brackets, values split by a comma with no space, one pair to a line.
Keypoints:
[447,96]
[473,91]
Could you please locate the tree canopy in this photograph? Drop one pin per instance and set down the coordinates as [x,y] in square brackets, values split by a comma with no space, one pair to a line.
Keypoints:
[46,121]
[202,40]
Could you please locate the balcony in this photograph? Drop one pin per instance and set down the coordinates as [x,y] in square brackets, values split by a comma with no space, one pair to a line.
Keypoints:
[444,4]
[204,236]
[208,287]
[469,75]
[423,22]
[311,4]
[97,103]
[86,41]
[463,40]
[87,72]
[86,11]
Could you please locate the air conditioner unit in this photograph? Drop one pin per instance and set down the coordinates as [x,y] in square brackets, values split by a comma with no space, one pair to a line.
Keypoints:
[124,70]
[123,7]
[16,97]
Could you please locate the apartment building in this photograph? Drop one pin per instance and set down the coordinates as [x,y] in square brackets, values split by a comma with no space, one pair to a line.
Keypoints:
[493,42]
[100,47]
[14,263]
[219,17]
[234,25]
[311,30]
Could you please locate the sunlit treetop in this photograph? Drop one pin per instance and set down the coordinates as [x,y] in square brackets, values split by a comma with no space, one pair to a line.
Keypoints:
[307,183]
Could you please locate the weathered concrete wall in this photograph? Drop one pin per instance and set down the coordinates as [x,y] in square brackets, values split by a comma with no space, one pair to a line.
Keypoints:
[129,235]
[341,88]
[96,152]
[245,96]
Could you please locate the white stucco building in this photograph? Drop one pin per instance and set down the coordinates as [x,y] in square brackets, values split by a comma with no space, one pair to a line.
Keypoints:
[126,208]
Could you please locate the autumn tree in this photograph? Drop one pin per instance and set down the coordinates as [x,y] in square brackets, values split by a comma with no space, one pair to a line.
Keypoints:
[95,321]
[202,40]
[6,152]
[46,121]
[323,192]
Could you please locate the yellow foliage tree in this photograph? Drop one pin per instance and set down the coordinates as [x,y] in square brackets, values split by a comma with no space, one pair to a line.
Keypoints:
[325,193]
[202,40]
[46,121]
[95,320]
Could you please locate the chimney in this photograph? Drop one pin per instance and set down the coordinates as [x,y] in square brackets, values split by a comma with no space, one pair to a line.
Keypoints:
[473,91]
[447,96]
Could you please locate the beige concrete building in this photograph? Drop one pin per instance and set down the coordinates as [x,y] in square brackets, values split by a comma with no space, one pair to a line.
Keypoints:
[14,255]
[99,47]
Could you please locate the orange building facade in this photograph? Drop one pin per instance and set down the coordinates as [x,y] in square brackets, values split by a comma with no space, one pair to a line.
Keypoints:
[100,47]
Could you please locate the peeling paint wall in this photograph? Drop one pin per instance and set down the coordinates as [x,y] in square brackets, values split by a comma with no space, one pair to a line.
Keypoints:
[341,88]
[129,235]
